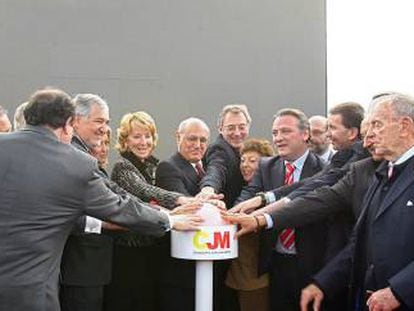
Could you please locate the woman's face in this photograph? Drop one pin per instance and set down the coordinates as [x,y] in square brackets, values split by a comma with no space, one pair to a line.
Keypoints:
[140,142]
[248,164]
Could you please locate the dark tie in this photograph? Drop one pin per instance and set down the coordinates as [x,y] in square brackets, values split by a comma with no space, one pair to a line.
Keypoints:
[287,236]
[199,169]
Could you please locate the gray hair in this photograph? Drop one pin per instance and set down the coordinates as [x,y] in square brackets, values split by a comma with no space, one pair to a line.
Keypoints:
[84,102]
[303,122]
[402,105]
[234,109]
[18,119]
[183,124]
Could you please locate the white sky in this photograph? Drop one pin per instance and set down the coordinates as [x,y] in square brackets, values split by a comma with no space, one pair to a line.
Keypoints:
[370,49]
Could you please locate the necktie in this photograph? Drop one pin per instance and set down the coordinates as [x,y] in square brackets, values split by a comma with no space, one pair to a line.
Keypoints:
[199,169]
[287,236]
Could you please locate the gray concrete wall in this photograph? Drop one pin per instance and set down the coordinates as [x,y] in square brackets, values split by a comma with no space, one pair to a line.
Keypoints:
[171,58]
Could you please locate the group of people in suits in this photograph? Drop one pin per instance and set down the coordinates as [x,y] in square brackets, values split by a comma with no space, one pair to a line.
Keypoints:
[374,268]
[47,187]
[317,220]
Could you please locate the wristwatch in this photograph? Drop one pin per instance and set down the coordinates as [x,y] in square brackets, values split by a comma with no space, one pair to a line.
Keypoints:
[263,199]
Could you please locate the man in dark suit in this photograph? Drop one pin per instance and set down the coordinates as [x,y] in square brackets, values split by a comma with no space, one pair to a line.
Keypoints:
[223,176]
[340,203]
[46,186]
[293,255]
[344,123]
[379,261]
[222,159]
[87,256]
[181,173]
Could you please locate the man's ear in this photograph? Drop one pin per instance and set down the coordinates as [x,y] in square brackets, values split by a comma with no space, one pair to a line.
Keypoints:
[75,121]
[306,135]
[353,134]
[177,138]
[406,126]
[68,127]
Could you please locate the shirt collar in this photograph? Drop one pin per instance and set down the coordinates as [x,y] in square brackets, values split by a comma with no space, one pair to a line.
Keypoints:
[299,162]
[404,157]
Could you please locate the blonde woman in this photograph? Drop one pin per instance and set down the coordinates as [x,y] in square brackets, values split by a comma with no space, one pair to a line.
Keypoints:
[135,260]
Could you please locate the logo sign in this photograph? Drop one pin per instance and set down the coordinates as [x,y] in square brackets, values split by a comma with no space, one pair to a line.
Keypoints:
[209,243]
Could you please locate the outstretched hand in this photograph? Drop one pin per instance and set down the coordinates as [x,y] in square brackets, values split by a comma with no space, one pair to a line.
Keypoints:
[186,222]
[247,223]
[247,206]
[188,208]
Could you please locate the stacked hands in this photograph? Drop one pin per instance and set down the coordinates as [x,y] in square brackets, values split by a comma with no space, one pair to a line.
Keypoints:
[183,217]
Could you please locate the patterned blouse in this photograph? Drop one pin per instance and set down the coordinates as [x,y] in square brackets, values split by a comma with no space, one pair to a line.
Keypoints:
[137,177]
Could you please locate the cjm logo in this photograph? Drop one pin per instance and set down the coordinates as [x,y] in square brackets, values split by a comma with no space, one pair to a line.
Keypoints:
[220,240]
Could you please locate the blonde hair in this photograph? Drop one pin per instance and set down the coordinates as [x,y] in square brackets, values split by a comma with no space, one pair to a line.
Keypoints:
[128,122]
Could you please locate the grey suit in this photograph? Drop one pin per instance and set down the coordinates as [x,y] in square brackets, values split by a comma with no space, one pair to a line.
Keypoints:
[45,186]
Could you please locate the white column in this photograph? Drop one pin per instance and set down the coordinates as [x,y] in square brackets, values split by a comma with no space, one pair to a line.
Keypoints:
[204,285]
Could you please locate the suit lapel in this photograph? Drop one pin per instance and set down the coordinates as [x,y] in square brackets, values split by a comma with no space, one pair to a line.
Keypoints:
[277,176]
[187,168]
[309,167]
[403,181]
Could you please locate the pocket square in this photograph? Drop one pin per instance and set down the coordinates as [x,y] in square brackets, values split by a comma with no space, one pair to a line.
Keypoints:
[410,203]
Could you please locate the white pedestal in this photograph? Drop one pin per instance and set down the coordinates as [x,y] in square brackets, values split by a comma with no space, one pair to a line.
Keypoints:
[204,285]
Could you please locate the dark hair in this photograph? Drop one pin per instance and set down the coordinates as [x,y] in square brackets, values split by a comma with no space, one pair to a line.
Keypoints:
[51,107]
[352,114]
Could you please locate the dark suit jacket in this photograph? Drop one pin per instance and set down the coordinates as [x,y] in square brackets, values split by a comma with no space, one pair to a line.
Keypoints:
[392,245]
[334,171]
[87,257]
[42,196]
[222,164]
[310,239]
[177,174]
[343,197]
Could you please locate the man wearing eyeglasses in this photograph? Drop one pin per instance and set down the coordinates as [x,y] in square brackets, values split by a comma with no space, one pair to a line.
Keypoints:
[223,176]
[222,159]
[181,173]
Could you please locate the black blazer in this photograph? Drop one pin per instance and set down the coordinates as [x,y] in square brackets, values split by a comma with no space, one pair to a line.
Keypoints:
[310,239]
[343,197]
[87,257]
[392,244]
[177,174]
[222,163]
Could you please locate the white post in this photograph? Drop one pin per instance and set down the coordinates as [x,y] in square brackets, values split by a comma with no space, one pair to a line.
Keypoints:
[204,285]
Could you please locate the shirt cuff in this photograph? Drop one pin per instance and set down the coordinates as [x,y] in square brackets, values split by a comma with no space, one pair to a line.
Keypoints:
[93,225]
[270,197]
[269,221]
[170,220]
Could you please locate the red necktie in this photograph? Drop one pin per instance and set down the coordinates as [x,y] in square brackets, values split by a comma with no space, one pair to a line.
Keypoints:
[287,236]
[199,169]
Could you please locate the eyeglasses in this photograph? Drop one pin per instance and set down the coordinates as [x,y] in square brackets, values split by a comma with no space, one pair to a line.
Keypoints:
[195,139]
[234,127]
